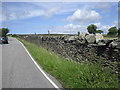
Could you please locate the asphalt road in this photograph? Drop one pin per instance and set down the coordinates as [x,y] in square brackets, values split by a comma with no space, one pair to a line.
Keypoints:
[0,67]
[18,70]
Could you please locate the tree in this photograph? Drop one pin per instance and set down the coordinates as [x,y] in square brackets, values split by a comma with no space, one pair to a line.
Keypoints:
[99,31]
[14,35]
[119,32]
[92,28]
[112,31]
[4,31]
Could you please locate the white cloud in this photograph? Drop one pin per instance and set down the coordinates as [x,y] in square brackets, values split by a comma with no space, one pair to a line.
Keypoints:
[98,24]
[73,29]
[52,11]
[63,7]
[28,14]
[71,26]
[103,5]
[26,10]
[69,29]
[13,15]
[117,23]
[84,16]
[104,27]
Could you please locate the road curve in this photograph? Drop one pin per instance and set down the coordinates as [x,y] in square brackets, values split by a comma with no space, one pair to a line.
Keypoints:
[18,70]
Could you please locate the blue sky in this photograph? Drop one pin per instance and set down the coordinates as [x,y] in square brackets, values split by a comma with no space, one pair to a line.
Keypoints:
[67,17]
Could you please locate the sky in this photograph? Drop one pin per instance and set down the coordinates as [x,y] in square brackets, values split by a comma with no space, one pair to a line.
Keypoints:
[57,17]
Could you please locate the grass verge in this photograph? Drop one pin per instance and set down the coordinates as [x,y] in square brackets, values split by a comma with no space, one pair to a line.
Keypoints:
[110,37]
[70,74]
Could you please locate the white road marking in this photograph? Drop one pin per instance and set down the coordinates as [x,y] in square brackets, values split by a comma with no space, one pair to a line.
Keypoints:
[40,68]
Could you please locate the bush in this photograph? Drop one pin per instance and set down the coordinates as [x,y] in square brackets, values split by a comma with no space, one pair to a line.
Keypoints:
[113,31]
[92,28]
[4,31]
[99,31]
[14,35]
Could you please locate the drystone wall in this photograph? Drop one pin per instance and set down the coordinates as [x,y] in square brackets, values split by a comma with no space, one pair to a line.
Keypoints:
[106,52]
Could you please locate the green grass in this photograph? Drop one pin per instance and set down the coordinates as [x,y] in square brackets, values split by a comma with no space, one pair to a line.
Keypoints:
[70,74]
[110,37]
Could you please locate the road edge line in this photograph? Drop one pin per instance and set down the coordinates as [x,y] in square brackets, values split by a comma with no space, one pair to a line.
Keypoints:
[40,69]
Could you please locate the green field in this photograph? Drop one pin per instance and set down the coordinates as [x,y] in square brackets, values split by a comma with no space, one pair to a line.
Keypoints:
[71,74]
[110,37]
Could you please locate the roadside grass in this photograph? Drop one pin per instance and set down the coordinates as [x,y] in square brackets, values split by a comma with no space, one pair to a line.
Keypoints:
[70,74]
[110,37]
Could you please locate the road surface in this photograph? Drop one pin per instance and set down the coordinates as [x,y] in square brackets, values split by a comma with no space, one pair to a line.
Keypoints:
[18,70]
[0,67]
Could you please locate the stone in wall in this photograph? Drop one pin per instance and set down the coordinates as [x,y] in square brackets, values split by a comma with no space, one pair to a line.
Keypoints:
[98,37]
[90,38]
[70,38]
[83,35]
